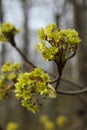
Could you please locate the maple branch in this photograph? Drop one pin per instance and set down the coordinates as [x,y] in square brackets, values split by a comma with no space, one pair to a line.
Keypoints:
[13,43]
[57,79]
[76,92]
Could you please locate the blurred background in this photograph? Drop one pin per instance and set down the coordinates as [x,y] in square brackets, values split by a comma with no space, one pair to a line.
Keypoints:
[29,16]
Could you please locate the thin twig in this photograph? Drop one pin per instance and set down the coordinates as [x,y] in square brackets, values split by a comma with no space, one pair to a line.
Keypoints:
[76,92]
[55,80]
[13,43]
[71,56]
[30,63]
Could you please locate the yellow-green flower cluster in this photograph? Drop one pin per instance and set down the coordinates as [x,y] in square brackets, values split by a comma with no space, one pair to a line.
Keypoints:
[47,123]
[12,126]
[10,71]
[30,87]
[62,121]
[57,44]
[7,32]
[9,74]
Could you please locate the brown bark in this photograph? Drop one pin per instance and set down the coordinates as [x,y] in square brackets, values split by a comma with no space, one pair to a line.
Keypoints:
[80,18]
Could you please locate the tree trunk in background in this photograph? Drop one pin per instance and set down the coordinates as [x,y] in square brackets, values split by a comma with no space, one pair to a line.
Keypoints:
[26,27]
[80,19]
[2,53]
[25,5]
[1,16]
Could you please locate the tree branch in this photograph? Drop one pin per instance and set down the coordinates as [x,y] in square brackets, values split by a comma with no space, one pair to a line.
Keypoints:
[57,79]
[76,92]
[71,56]
[30,63]
[13,43]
